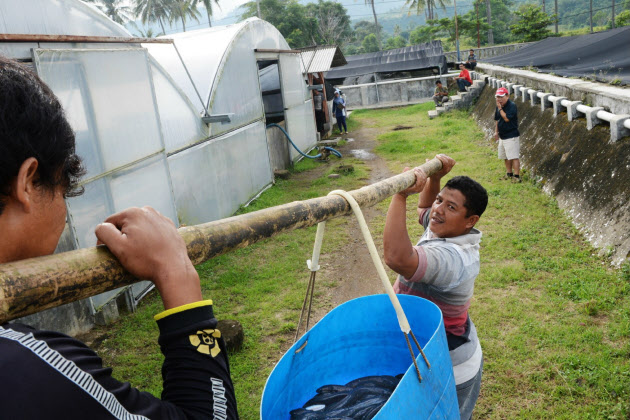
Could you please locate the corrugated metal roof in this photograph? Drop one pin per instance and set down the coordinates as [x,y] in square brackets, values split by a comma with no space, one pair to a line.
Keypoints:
[321,58]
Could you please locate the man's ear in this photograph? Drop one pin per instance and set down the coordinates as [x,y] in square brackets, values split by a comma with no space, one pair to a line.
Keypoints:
[472,220]
[24,185]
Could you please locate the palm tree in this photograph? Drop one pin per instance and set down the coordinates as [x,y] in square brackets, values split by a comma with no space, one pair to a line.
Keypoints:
[182,10]
[378,30]
[429,13]
[152,11]
[208,5]
[116,10]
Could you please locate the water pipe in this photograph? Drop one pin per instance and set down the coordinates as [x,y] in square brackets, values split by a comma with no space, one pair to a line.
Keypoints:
[333,151]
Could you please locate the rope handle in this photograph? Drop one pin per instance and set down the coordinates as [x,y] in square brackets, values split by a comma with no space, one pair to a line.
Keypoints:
[400,313]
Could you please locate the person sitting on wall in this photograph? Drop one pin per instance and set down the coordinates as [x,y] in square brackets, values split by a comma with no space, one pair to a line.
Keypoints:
[443,266]
[463,80]
[339,108]
[471,62]
[48,375]
[441,94]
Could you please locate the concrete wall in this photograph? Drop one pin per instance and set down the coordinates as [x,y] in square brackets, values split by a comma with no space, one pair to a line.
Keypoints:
[613,99]
[485,52]
[278,148]
[582,169]
[391,93]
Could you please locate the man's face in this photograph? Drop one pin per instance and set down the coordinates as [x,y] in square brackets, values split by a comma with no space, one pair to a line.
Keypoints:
[502,100]
[448,215]
[461,67]
[439,85]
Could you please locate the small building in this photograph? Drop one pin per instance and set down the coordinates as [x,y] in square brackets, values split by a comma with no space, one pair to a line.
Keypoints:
[176,123]
[316,61]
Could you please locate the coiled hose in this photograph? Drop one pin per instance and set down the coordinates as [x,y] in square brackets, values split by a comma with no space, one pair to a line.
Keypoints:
[333,151]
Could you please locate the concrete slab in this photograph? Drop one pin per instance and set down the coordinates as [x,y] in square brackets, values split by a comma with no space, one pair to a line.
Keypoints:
[591,117]
[557,105]
[617,128]
[572,112]
[433,114]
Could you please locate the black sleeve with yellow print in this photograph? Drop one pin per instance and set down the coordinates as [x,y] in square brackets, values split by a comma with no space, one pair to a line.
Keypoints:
[196,371]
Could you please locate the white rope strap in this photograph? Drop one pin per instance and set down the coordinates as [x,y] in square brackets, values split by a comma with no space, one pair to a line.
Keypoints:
[376,259]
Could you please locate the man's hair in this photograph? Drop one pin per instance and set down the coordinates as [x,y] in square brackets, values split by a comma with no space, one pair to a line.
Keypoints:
[476,195]
[438,82]
[33,124]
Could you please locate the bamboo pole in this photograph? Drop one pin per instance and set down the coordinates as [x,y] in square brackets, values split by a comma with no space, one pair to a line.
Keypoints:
[35,284]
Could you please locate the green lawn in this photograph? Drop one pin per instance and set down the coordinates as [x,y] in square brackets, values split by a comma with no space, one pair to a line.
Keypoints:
[552,315]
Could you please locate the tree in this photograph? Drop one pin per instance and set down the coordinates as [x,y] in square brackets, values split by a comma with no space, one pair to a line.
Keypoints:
[289,17]
[419,5]
[333,23]
[423,34]
[207,4]
[378,30]
[116,10]
[149,33]
[532,24]
[152,11]
[370,44]
[182,10]
[600,18]
[395,42]
[623,18]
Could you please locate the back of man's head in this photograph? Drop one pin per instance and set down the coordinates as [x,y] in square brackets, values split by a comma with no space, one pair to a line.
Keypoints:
[33,124]
[476,195]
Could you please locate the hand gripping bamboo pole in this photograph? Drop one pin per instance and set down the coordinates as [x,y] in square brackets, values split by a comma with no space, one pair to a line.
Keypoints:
[35,284]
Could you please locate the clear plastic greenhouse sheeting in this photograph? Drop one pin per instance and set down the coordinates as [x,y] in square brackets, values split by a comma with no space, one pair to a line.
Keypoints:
[301,128]
[144,184]
[59,17]
[236,89]
[213,179]
[293,84]
[108,97]
[201,51]
[181,124]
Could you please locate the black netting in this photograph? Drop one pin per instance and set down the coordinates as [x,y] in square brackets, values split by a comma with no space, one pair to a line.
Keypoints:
[603,56]
[429,55]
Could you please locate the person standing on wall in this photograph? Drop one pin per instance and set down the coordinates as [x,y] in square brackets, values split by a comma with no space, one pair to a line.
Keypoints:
[339,108]
[471,63]
[463,80]
[441,94]
[443,265]
[506,132]
[318,105]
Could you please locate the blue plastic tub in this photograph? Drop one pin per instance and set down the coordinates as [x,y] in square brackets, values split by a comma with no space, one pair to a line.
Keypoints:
[362,338]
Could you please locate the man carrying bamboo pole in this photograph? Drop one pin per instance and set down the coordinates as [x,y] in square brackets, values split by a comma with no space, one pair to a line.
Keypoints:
[49,375]
[443,266]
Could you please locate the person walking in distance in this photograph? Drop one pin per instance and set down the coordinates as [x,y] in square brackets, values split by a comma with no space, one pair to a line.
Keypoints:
[339,108]
[506,132]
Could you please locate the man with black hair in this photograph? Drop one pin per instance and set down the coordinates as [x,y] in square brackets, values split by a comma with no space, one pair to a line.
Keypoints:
[48,375]
[443,266]
[441,94]
[471,62]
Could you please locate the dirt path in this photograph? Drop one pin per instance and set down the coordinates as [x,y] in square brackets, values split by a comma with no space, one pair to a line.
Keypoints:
[352,269]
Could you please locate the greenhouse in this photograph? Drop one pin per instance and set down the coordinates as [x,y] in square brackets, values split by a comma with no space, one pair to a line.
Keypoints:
[178,124]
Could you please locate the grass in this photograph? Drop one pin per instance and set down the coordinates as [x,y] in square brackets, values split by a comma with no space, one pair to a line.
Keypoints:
[553,316]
